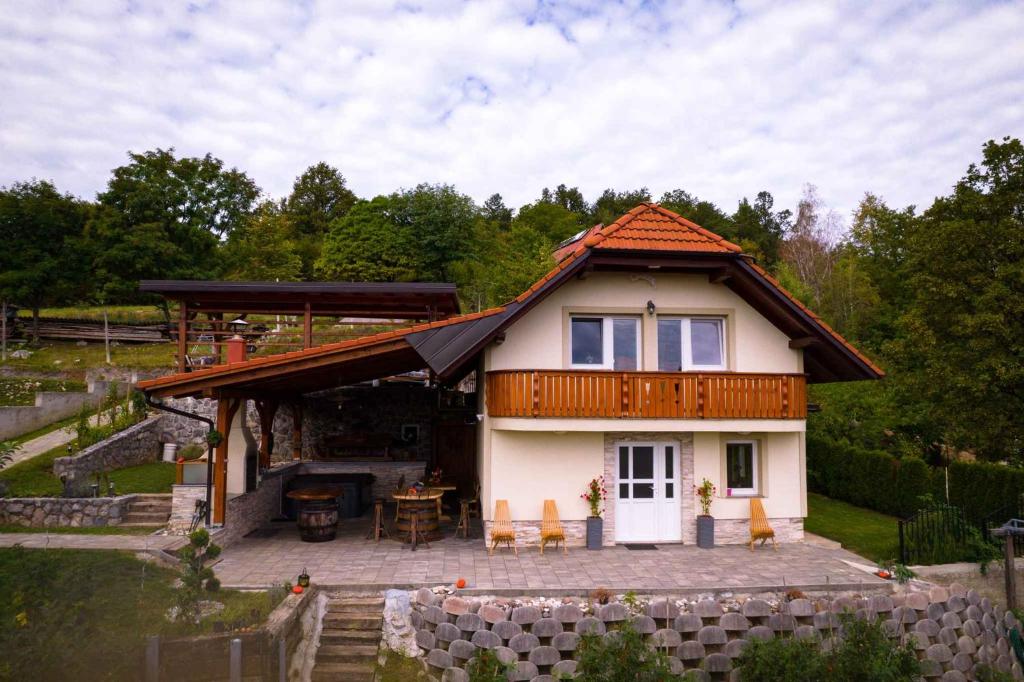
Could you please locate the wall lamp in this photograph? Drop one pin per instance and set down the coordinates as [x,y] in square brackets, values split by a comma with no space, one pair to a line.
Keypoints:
[650,308]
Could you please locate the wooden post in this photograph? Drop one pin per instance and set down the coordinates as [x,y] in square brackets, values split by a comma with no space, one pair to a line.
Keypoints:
[106,335]
[3,334]
[267,409]
[297,429]
[182,335]
[307,328]
[226,409]
[1011,578]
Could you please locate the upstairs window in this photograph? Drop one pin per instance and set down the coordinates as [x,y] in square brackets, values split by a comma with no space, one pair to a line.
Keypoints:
[604,342]
[691,343]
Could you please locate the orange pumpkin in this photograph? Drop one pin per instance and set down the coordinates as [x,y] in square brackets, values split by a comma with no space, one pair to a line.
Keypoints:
[297,589]
[460,583]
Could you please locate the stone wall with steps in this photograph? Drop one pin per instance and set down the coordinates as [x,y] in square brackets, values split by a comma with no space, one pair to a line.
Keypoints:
[74,512]
[349,639]
[953,631]
[138,444]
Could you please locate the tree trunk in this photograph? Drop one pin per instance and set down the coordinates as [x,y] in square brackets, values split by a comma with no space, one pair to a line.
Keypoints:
[35,325]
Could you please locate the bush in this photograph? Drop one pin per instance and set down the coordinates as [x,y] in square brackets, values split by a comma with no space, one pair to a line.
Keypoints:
[793,660]
[485,667]
[191,452]
[622,658]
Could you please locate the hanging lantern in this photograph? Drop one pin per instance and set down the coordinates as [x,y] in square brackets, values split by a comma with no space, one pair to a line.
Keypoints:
[303,580]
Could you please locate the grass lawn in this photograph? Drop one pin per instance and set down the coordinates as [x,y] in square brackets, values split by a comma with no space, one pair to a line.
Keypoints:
[73,360]
[34,477]
[22,390]
[862,531]
[91,530]
[85,614]
[128,314]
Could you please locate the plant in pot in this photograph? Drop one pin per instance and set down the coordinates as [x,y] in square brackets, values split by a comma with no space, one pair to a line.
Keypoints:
[705,493]
[595,496]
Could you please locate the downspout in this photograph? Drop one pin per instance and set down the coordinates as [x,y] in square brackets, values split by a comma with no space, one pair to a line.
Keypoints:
[209,448]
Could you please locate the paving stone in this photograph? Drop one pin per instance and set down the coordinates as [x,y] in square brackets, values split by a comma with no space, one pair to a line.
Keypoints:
[881,603]
[590,624]
[492,614]
[662,610]
[565,641]
[645,625]
[454,675]
[782,622]
[826,620]
[905,614]
[666,638]
[917,601]
[805,632]
[544,656]
[546,628]
[440,659]
[708,608]
[526,615]
[455,606]
[760,632]
[434,615]
[735,647]
[485,639]
[712,635]
[716,664]
[687,622]
[522,643]
[505,655]
[690,651]
[445,633]
[948,637]
[734,622]
[939,653]
[470,622]
[523,672]
[564,668]
[950,620]
[462,650]
[506,629]
[614,613]
[567,613]
[928,627]
[425,640]
[935,611]
[800,608]
[956,604]
[425,597]
[756,608]
[938,593]
[930,669]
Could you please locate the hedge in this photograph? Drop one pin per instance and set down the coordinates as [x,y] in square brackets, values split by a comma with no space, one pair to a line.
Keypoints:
[876,480]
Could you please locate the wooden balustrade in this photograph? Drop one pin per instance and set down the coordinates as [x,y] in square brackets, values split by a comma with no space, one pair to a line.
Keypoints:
[645,395]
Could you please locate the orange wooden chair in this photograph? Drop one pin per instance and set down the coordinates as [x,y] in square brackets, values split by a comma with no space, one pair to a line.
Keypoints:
[551,527]
[501,527]
[760,529]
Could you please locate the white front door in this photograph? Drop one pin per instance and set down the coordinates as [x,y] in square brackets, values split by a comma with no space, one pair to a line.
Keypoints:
[647,501]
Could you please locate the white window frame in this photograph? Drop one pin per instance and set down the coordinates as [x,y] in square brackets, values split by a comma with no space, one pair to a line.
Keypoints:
[607,340]
[686,340]
[755,466]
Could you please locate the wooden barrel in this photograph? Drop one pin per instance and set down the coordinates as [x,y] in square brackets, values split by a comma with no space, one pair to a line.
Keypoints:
[318,521]
[428,523]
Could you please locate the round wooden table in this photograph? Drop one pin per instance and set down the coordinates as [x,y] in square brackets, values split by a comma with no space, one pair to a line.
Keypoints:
[318,512]
[426,506]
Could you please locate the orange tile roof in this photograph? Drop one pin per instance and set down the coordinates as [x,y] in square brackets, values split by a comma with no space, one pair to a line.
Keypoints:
[326,349]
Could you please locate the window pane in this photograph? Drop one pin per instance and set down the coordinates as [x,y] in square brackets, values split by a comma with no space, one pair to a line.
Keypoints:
[643,462]
[624,344]
[624,491]
[643,491]
[670,346]
[669,461]
[670,491]
[739,464]
[587,341]
[706,340]
[623,462]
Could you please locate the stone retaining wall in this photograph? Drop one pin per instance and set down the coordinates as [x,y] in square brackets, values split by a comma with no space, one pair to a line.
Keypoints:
[528,533]
[385,474]
[50,407]
[76,512]
[737,531]
[183,506]
[953,631]
[245,513]
[135,445]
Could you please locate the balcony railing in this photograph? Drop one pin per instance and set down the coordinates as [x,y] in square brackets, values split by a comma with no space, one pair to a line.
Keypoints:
[645,395]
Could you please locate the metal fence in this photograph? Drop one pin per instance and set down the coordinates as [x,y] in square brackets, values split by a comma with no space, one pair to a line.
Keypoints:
[997,518]
[935,535]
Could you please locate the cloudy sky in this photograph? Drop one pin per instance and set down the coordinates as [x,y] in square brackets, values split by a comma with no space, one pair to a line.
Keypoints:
[721,99]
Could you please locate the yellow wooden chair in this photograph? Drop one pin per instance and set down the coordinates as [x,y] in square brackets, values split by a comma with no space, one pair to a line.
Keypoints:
[551,528]
[760,529]
[501,527]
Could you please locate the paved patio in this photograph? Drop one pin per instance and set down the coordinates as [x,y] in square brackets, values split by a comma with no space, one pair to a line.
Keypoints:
[275,554]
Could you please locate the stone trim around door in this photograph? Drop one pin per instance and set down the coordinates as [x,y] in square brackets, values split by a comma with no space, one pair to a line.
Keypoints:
[687,506]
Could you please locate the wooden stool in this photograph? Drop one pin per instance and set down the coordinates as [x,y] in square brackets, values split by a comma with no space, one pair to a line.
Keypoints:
[378,530]
[415,534]
[463,519]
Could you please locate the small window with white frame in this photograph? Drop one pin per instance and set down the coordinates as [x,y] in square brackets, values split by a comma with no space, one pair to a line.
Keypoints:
[600,342]
[741,468]
[691,343]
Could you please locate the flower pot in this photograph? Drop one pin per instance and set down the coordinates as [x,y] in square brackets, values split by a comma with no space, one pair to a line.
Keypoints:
[595,530]
[705,532]
[170,452]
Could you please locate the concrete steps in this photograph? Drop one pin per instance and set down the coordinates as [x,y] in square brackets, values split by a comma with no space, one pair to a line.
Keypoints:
[349,639]
[148,511]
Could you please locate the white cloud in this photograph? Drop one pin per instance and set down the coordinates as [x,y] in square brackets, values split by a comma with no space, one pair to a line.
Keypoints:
[722,99]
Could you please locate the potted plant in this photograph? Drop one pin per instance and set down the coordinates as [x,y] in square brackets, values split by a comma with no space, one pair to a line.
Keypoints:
[595,495]
[705,492]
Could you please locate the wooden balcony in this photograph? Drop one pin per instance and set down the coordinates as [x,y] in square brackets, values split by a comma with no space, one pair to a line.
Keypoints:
[645,395]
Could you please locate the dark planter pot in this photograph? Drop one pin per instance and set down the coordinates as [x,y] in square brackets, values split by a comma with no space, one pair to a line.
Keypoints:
[705,532]
[595,529]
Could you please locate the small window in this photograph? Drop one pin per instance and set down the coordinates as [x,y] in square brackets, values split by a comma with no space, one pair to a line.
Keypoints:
[605,342]
[691,343]
[741,468]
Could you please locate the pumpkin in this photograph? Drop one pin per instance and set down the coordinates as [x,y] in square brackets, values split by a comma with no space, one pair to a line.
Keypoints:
[460,583]
[297,589]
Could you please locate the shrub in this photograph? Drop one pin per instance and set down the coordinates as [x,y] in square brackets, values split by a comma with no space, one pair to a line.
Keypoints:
[622,658]
[192,451]
[485,667]
[793,660]
[195,575]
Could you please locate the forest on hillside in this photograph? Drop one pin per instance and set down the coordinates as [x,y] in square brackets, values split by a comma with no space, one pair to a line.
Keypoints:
[934,294]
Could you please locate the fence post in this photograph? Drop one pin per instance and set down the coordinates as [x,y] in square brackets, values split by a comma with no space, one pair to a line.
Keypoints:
[153,658]
[903,549]
[1008,570]
[235,661]
[282,661]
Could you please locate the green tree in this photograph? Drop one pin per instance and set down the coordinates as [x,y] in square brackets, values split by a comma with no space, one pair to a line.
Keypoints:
[569,198]
[319,198]
[495,211]
[440,222]
[551,221]
[262,249]
[758,224]
[38,264]
[368,245]
[610,206]
[704,213]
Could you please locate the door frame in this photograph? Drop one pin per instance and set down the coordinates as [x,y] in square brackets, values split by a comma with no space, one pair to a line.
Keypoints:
[665,509]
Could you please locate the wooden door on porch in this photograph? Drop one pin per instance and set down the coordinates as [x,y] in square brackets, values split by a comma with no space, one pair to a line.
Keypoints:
[455,452]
